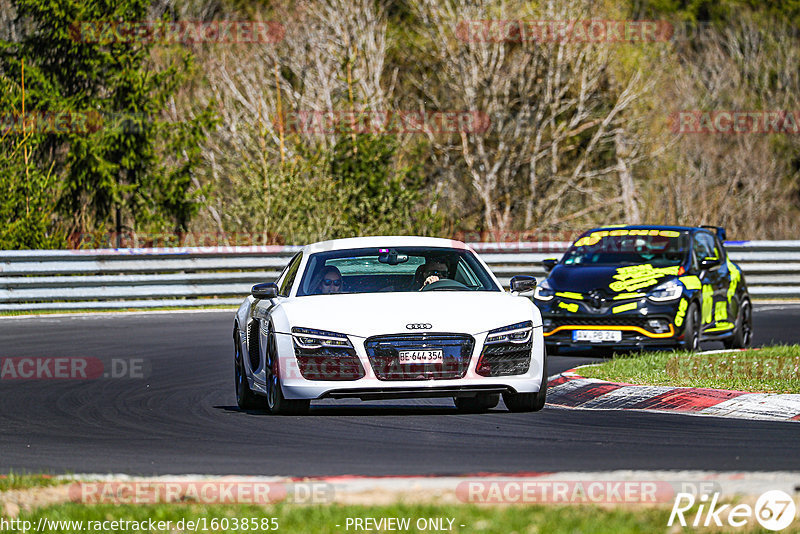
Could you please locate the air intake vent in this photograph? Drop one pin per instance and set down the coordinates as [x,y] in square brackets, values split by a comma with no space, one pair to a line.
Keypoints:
[504,359]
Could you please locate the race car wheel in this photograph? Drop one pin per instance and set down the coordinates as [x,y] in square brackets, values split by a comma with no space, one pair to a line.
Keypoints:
[691,332]
[276,402]
[245,398]
[743,332]
[477,404]
[529,402]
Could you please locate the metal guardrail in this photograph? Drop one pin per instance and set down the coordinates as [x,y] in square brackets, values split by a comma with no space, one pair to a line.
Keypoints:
[207,276]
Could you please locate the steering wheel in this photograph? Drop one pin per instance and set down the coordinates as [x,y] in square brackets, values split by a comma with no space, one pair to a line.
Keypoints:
[444,285]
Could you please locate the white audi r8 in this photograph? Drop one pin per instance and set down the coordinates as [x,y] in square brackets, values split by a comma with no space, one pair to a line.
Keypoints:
[386,318]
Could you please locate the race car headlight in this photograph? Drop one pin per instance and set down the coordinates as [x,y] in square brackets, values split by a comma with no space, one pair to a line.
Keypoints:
[308,338]
[544,291]
[513,333]
[669,290]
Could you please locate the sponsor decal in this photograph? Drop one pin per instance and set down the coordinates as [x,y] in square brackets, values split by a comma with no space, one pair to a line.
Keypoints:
[595,237]
[735,275]
[690,282]
[708,303]
[624,307]
[721,311]
[682,306]
[635,277]
[570,307]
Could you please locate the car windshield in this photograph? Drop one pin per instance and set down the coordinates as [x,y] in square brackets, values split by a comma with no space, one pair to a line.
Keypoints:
[394,269]
[660,248]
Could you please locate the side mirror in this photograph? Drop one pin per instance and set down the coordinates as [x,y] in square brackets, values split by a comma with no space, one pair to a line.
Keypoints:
[522,283]
[267,290]
[706,264]
[548,264]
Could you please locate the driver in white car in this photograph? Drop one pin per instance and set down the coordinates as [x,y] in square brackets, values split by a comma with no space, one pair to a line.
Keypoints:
[433,271]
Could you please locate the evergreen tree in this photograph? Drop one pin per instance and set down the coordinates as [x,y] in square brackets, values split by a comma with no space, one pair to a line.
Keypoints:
[121,163]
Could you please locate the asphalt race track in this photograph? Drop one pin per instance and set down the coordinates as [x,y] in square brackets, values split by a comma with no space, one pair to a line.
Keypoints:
[182,417]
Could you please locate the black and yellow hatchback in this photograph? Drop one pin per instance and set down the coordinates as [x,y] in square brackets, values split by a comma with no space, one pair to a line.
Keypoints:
[645,286]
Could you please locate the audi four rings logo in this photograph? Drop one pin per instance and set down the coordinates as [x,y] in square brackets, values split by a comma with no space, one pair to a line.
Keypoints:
[419,326]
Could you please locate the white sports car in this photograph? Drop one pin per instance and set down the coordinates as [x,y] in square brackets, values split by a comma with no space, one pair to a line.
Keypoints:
[386,318]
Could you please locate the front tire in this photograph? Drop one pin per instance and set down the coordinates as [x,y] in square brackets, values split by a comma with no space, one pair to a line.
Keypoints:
[478,404]
[277,404]
[245,398]
[691,332]
[743,332]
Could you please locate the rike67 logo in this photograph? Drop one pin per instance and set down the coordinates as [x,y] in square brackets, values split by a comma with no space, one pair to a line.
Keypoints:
[774,510]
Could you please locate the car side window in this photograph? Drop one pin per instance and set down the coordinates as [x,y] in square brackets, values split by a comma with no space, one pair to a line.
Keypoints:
[704,246]
[287,278]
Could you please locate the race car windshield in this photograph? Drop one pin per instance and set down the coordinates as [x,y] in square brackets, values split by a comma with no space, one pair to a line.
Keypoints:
[394,269]
[660,248]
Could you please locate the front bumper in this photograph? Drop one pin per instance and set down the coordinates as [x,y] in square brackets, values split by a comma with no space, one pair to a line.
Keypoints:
[295,386]
[636,321]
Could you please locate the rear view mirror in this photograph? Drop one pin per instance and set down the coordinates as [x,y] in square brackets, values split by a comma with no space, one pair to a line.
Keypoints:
[523,283]
[548,264]
[391,257]
[267,290]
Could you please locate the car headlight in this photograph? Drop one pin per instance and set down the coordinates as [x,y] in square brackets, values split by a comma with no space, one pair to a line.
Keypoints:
[669,290]
[544,291]
[308,338]
[513,333]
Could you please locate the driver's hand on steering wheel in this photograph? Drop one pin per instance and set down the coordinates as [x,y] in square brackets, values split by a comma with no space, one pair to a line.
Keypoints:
[431,279]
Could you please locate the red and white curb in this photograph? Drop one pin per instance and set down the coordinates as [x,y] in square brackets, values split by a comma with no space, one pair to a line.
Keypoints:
[569,389]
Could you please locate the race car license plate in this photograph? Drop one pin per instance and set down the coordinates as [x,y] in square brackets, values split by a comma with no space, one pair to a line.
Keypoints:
[596,336]
[422,356]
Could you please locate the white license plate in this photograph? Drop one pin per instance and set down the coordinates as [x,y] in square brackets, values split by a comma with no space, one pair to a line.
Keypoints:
[422,356]
[596,336]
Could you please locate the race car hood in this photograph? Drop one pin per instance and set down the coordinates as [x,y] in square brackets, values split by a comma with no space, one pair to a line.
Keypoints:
[369,314]
[610,279]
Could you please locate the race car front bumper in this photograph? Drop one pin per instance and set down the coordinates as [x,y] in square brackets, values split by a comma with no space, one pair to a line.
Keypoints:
[370,385]
[640,324]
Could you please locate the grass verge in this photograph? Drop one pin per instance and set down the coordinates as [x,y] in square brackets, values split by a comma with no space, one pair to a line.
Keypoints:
[13,481]
[333,518]
[769,370]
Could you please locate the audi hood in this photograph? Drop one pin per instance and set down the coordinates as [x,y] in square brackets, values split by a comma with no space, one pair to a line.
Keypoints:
[369,314]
